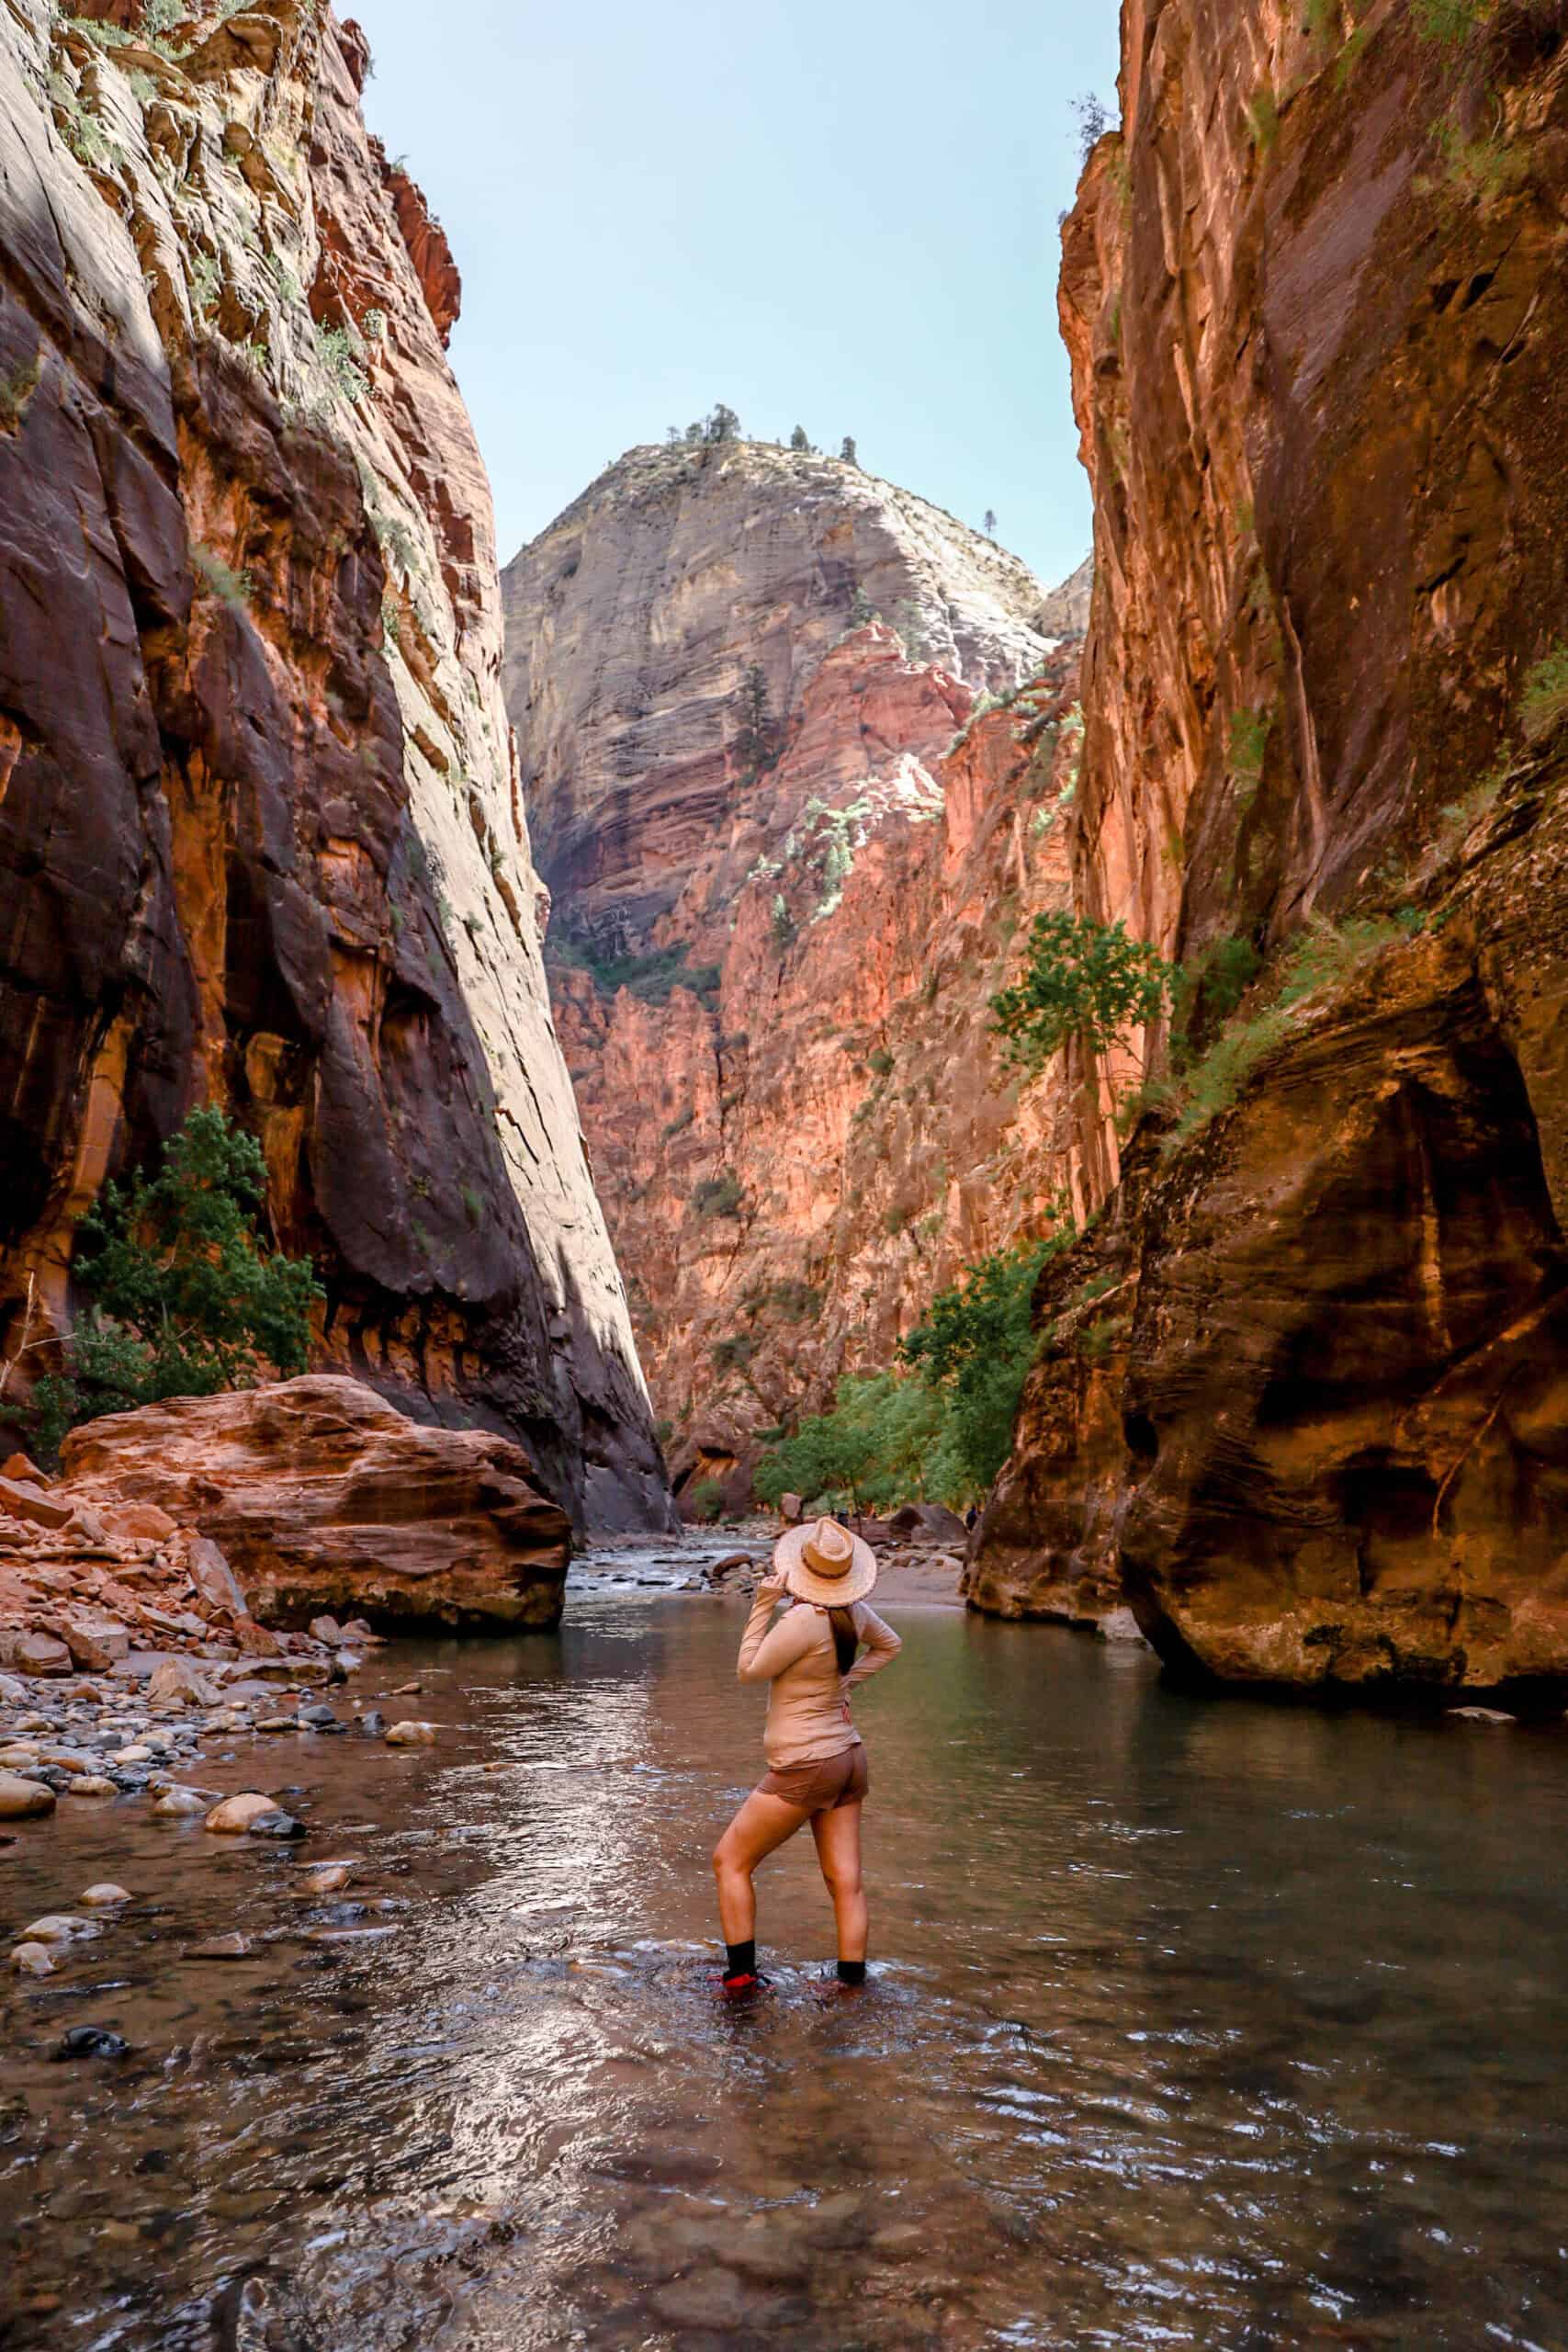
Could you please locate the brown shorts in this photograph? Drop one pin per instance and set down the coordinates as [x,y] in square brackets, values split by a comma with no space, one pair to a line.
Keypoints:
[825,1785]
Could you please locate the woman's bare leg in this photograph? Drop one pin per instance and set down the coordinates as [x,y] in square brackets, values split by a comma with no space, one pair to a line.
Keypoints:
[763,1822]
[838,1851]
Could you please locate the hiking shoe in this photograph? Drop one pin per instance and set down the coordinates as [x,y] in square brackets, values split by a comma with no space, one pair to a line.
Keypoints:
[732,1988]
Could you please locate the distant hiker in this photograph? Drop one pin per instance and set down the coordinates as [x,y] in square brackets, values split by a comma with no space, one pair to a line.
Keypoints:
[970,1516]
[816,1761]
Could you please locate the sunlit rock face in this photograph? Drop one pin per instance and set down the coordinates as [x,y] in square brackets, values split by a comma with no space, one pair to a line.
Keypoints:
[772,977]
[261,841]
[1313,298]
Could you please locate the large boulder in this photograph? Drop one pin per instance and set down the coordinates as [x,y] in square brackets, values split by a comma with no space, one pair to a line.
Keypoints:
[319,1496]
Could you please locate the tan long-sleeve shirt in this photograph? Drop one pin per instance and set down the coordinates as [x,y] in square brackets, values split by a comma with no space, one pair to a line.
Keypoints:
[808,1718]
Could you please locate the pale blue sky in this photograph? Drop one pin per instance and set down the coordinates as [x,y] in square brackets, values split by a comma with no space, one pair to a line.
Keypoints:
[838,215]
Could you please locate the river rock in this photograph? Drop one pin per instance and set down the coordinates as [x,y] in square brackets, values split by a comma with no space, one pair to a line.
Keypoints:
[275,1824]
[95,1640]
[233,1946]
[137,1753]
[232,1816]
[21,1799]
[174,1682]
[179,1804]
[105,1894]
[36,1654]
[326,1878]
[33,1959]
[90,2041]
[321,1494]
[360,1633]
[60,1927]
[372,1723]
[326,1629]
[412,1734]
[91,1785]
[1481,1715]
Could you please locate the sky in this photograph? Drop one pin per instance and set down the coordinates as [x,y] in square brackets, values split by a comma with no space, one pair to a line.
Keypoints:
[843,216]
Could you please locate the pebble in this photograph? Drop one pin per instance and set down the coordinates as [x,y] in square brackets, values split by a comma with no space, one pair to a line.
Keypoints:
[372,1723]
[407,1689]
[230,1947]
[21,1799]
[232,1816]
[105,1893]
[412,1734]
[92,1784]
[59,1928]
[1481,1715]
[175,1805]
[138,1753]
[32,1959]
[326,1878]
[90,2041]
[277,1723]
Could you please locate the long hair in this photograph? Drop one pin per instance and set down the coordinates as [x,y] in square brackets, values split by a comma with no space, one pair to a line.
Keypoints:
[846,1640]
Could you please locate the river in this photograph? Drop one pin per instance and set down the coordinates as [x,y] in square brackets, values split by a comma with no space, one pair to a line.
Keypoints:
[1191,2024]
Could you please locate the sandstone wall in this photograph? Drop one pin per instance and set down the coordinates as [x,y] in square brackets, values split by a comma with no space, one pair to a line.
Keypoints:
[261,840]
[810,1131]
[1304,1385]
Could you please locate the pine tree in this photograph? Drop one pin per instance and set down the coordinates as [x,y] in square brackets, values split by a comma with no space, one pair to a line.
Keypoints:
[797,439]
[990,525]
[861,610]
[847,453]
[723,425]
[755,737]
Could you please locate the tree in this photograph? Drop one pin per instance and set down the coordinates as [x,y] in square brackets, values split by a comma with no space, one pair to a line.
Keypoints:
[756,738]
[1093,122]
[183,1303]
[990,524]
[910,624]
[672,433]
[723,425]
[874,1447]
[797,439]
[975,1349]
[1080,979]
[860,608]
[847,453]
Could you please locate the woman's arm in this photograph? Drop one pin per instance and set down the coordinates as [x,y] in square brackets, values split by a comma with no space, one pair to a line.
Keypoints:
[764,1655]
[882,1646]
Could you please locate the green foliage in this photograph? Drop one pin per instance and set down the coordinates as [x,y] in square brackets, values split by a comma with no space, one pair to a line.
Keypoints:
[1478,170]
[862,610]
[1080,979]
[473,1205]
[733,1354]
[879,1445]
[975,1349]
[206,282]
[184,1302]
[757,735]
[781,922]
[796,1301]
[290,290]
[233,588]
[847,454]
[910,624]
[340,351]
[881,1061]
[1262,113]
[650,978]
[1206,992]
[1543,703]
[1351,55]
[678,1125]
[719,1195]
[707,1500]
[1249,744]
[1447,21]
[798,441]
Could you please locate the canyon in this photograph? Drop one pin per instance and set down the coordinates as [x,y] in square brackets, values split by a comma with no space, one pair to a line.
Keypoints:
[774,938]
[261,843]
[1302,1391]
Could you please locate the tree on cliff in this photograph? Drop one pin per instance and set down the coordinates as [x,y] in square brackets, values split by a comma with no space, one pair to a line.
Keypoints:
[183,1303]
[1080,979]
[991,523]
[975,1349]
[723,425]
[847,453]
[797,440]
[756,738]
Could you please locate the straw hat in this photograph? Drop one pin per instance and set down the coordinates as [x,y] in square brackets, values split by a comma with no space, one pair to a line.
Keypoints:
[824,1562]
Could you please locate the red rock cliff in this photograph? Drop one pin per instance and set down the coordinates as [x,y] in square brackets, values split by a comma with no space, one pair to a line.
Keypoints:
[772,977]
[1305,1387]
[259,836]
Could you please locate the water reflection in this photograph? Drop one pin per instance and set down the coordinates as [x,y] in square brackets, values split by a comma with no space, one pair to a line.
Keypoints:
[1195,2024]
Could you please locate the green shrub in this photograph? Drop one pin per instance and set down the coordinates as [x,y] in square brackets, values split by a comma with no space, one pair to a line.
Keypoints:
[733,1354]
[879,1445]
[231,588]
[678,1126]
[1206,992]
[881,1061]
[719,1195]
[1544,704]
[183,1303]
[975,1349]
[707,1500]
[1080,979]
[340,351]
[16,391]
[1447,20]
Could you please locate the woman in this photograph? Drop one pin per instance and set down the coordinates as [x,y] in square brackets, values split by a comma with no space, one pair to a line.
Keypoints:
[817,1767]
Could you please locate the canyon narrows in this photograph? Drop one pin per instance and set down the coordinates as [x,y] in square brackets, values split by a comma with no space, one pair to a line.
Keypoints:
[774,938]
[261,838]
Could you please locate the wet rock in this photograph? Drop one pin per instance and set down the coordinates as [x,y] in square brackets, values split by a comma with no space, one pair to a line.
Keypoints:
[407,1689]
[233,1815]
[91,1785]
[326,1878]
[1119,1625]
[105,1894]
[179,1804]
[233,1946]
[138,1753]
[277,1824]
[360,1633]
[326,1629]
[372,1723]
[19,1757]
[36,1654]
[732,1561]
[60,1927]
[21,1799]
[90,2041]
[175,1683]
[412,1734]
[319,1717]
[33,1959]
[1481,1715]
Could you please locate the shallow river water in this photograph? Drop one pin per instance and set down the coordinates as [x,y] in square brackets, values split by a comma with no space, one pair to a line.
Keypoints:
[1191,2024]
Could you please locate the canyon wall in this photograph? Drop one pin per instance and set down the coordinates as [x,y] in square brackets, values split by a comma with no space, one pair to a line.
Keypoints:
[261,839]
[771,961]
[1303,1389]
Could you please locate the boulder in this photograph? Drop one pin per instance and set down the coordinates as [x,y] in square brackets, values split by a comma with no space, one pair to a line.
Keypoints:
[33,1959]
[412,1734]
[36,1654]
[790,1508]
[326,1629]
[214,1580]
[104,1895]
[179,1804]
[17,1470]
[95,1640]
[136,1523]
[174,1683]
[20,1498]
[21,1799]
[323,1498]
[928,1523]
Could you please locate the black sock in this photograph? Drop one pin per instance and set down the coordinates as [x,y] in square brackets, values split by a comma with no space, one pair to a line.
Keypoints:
[740,1959]
[852,1971]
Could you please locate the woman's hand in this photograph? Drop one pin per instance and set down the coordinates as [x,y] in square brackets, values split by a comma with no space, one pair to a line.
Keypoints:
[771,1588]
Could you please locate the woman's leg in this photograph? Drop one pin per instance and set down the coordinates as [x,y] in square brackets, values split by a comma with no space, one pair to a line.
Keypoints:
[838,1851]
[763,1822]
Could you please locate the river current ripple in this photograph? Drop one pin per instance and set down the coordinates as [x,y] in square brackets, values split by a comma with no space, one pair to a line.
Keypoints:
[1191,2024]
